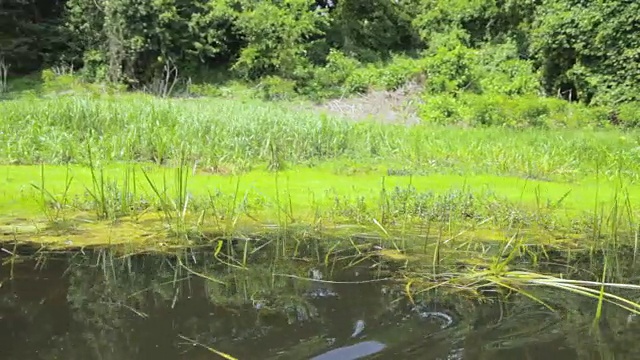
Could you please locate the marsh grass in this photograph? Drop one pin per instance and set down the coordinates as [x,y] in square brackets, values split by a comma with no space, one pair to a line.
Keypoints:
[222,134]
[398,214]
[53,206]
[500,278]
[472,267]
[504,270]
[174,208]
[98,193]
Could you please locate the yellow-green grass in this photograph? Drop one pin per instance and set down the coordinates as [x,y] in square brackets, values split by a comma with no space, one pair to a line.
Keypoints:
[299,195]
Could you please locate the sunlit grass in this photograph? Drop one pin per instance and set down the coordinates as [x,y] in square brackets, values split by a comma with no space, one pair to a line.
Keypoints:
[301,184]
[230,136]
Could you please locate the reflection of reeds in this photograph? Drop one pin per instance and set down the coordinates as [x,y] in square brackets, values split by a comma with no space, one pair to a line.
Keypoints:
[125,283]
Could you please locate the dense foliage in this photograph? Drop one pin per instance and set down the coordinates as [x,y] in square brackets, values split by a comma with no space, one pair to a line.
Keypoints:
[583,50]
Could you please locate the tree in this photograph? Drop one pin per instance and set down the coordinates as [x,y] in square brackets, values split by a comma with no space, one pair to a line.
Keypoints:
[31,34]
[592,47]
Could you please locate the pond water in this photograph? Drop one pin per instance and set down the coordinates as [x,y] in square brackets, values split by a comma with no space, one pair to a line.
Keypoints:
[102,305]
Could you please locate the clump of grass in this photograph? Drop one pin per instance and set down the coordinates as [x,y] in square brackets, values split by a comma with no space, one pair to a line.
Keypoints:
[500,270]
[98,193]
[519,281]
[53,206]
[111,199]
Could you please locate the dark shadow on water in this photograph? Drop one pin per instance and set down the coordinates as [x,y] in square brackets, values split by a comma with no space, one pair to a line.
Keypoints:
[105,305]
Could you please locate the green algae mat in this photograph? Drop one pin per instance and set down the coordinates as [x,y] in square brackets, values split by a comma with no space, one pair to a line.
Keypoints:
[137,203]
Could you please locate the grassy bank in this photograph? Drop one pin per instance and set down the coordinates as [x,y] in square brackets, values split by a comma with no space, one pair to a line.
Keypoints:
[149,205]
[236,136]
[191,162]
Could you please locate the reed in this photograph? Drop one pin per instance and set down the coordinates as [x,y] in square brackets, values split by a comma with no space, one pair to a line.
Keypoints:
[235,135]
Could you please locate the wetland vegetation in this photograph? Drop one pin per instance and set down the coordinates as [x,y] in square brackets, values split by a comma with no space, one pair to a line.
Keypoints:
[477,157]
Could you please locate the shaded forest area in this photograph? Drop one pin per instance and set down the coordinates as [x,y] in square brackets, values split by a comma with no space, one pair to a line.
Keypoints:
[583,50]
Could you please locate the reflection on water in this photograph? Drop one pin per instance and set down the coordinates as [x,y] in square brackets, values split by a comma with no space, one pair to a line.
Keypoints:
[356,351]
[101,305]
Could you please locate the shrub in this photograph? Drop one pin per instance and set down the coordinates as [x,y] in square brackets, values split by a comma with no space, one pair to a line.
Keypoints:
[276,88]
[328,81]
[361,80]
[343,75]
[628,114]
[500,70]
[400,71]
[52,82]
[204,90]
[515,112]
[440,109]
[483,110]
[63,81]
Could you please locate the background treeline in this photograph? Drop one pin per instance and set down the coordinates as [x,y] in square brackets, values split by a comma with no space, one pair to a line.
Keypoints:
[585,50]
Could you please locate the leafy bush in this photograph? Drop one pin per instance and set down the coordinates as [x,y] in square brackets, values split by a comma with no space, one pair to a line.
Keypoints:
[449,66]
[628,114]
[94,68]
[400,71]
[52,82]
[500,70]
[204,90]
[343,75]
[440,109]
[328,81]
[276,88]
[591,47]
[491,87]
[509,111]
[361,80]
[65,82]
[275,36]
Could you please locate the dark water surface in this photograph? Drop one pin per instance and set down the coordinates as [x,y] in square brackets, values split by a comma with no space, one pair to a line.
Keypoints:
[99,305]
